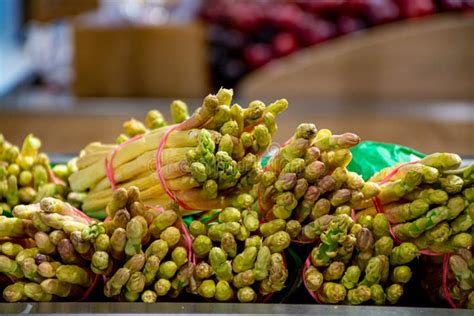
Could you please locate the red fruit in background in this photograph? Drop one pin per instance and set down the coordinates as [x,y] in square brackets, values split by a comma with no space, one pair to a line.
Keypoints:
[257,55]
[348,24]
[321,6]
[214,11]
[452,4]
[284,16]
[416,8]
[312,30]
[355,7]
[284,44]
[245,16]
[382,11]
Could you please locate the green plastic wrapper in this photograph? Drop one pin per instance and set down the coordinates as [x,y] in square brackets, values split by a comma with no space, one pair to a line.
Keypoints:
[370,157]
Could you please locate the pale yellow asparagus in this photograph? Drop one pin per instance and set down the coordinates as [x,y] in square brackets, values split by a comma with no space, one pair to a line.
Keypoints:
[87,178]
[92,175]
[150,187]
[90,159]
[147,162]
[147,181]
[95,147]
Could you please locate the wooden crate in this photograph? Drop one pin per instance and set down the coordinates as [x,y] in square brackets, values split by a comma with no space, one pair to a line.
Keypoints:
[141,61]
[49,10]
[430,57]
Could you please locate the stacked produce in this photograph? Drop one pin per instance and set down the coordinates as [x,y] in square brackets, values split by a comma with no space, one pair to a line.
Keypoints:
[43,254]
[431,204]
[203,162]
[364,237]
[307,182]
[143,252]
[459,279]
[356,264]
[26,176]
[237,257]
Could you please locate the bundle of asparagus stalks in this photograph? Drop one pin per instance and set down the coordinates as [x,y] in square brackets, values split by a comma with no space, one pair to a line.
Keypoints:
[307,181]
[210,157]
[429,203]
[143,252]
[25,175]
[353,264]
[460,279]
[239,259]
[42,254]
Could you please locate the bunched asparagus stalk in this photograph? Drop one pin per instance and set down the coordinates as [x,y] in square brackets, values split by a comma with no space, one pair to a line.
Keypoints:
[214,150]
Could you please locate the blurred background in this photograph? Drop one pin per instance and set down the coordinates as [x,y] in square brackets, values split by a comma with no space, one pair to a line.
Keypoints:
[400,71]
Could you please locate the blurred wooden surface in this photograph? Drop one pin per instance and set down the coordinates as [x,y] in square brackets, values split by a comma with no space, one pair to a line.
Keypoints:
[430,57]
[427,127]
[49,10]
[145,61]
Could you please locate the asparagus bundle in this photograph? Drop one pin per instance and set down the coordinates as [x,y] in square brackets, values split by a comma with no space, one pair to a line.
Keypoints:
[458,286]
[355,264]
[26,175]
[143,252]
[429,203]
[203,160]
[44,254]
[239,259]
[307,182]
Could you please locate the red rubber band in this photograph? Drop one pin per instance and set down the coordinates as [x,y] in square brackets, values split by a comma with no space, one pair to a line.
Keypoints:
[395,170]
[267,298]
[212,219]
[353,215]
[82,215]
[189,242]
[153,207]
[161,146]
[55,179]
[304,242]
[447,296]
[306,266]
[109,168]
[428,252]
[380,209]
[91,288]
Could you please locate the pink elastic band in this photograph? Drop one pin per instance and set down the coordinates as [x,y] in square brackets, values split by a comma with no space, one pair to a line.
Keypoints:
[81,214]
[90,289]
[380,209]
[267,298]
[161,146]
[189,243]
[428,252]
[303,242]
[445,281]
[153,207]
[55,179]
[353,215]
[109,164]
[306,266]
[394,171]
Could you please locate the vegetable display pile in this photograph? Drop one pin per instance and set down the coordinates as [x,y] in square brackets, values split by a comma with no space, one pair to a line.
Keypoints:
[26,175]
[205,159]
[201,210]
